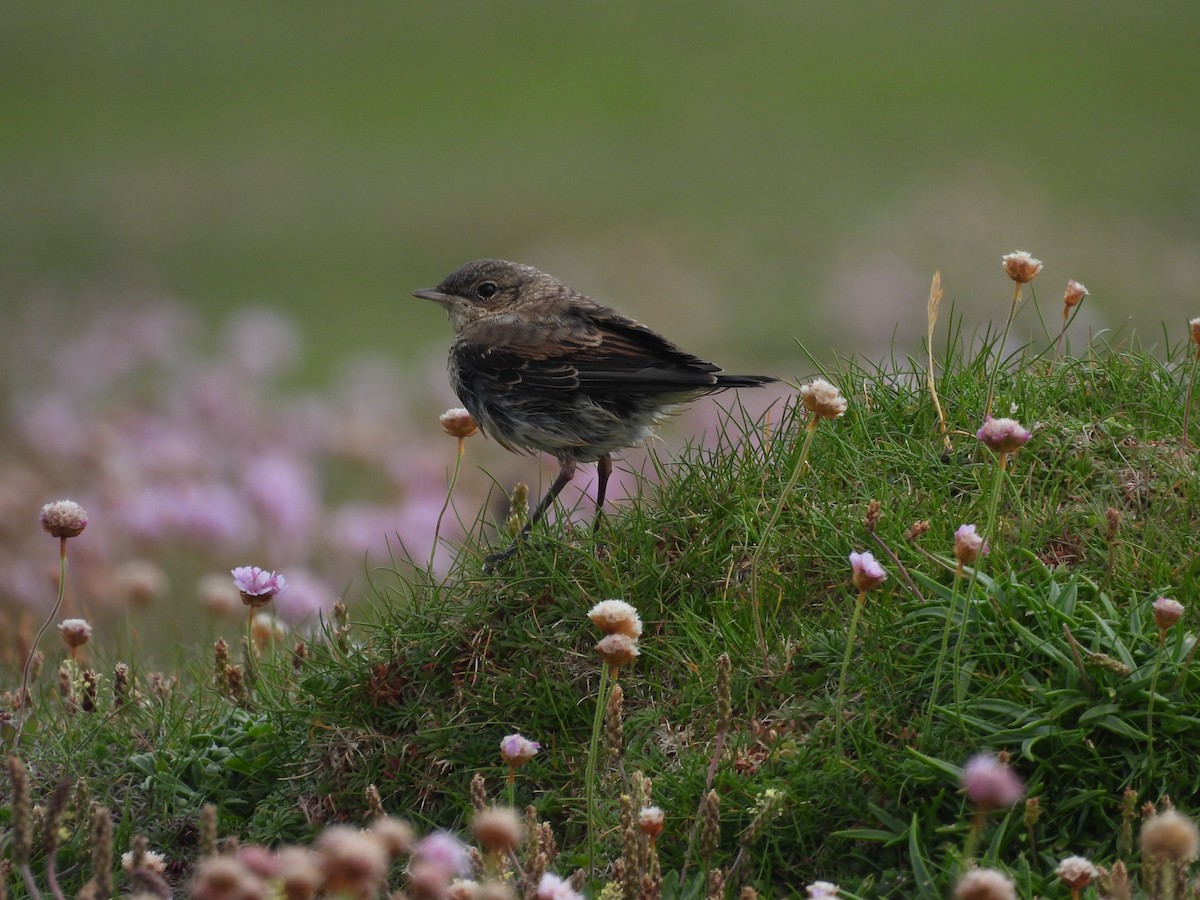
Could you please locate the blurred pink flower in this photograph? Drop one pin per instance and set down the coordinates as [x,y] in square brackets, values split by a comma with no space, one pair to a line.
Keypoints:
[990,783]
[306,599]
[445,852]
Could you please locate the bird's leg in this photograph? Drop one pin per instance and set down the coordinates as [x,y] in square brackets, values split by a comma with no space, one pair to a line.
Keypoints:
[603,470]
[566,472]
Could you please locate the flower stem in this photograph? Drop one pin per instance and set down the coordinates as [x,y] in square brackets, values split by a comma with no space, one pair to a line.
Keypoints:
[1187,402]
[590,776]
[988,541]
[24,697]
[763,540]
[859,602]
[437,528]
[1162,645]
[1012,314]
[937,672]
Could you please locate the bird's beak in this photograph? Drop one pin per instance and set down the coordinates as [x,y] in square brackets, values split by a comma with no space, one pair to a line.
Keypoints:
[433,294]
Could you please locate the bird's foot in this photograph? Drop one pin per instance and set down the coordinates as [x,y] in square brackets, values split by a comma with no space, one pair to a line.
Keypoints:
[494,559]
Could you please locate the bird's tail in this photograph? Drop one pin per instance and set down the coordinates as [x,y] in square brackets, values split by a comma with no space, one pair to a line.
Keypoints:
[740,381]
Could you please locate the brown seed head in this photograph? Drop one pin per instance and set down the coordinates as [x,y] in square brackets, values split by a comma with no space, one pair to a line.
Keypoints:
[1021,266]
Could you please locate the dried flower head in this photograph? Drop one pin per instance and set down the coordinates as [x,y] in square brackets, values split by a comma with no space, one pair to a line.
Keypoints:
[516,750]
[1167,612]
[217,595]
[257,586]
[75,632]
[990,783]
[616,617]
[267,629]
[1021,266]
[299,872]
[1002,435]
[867,573]
[1074,294]
[1171,835]
[823,399]
[355,863]
[1076,872]
[498,829]
[151,860]
[457,422]
[224,876]
[64,518]
[650,821]
[968,545]
[395,835]
[985,884]
[617,649]
[1194,328]
[462,889]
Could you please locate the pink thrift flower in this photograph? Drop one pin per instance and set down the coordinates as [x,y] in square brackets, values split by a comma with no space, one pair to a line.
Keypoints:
[75,632]
[552,887]
[990,783]
[444,852]
[1002,435]
[517,750]
[64,518]
[867,573]
[1167,612]
[968,545]
[257,586]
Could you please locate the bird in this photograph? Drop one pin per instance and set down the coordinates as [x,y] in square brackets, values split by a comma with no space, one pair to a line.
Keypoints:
[542,367]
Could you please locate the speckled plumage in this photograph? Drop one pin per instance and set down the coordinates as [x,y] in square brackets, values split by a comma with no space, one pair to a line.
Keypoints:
[542,367]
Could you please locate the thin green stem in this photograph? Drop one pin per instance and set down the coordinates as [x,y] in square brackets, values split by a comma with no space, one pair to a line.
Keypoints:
[764,537]
[1162,643]
[24,697]
[988,538]
[1012,314]
[937,672]
[437,528]
[590,777]
[859,602]
[1187,401]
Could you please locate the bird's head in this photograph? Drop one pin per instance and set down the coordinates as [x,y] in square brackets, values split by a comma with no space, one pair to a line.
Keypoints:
[487,287]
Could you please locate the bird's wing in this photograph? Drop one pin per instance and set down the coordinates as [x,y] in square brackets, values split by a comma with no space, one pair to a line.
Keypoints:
[602,353]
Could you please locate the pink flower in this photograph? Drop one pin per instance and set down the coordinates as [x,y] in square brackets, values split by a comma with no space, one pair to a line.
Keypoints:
[444,852]
[1002,435]
[63,518]
[968,545]
[867,573]
[551,887]
[517,750]
[75,632]
[1167,612]
[256,585]
[990,783]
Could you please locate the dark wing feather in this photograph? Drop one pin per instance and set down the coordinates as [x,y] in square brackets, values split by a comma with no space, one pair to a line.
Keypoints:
[602,353]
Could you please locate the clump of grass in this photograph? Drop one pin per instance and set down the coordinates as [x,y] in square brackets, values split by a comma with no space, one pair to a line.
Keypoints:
[762,776]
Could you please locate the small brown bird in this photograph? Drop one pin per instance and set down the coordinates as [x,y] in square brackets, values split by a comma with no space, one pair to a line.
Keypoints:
[541,366]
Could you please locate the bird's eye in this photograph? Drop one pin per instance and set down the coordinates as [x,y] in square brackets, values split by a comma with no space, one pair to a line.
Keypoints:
[486,290]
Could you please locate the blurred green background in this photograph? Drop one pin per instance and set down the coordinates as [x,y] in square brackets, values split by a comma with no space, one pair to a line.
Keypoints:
[734,174]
